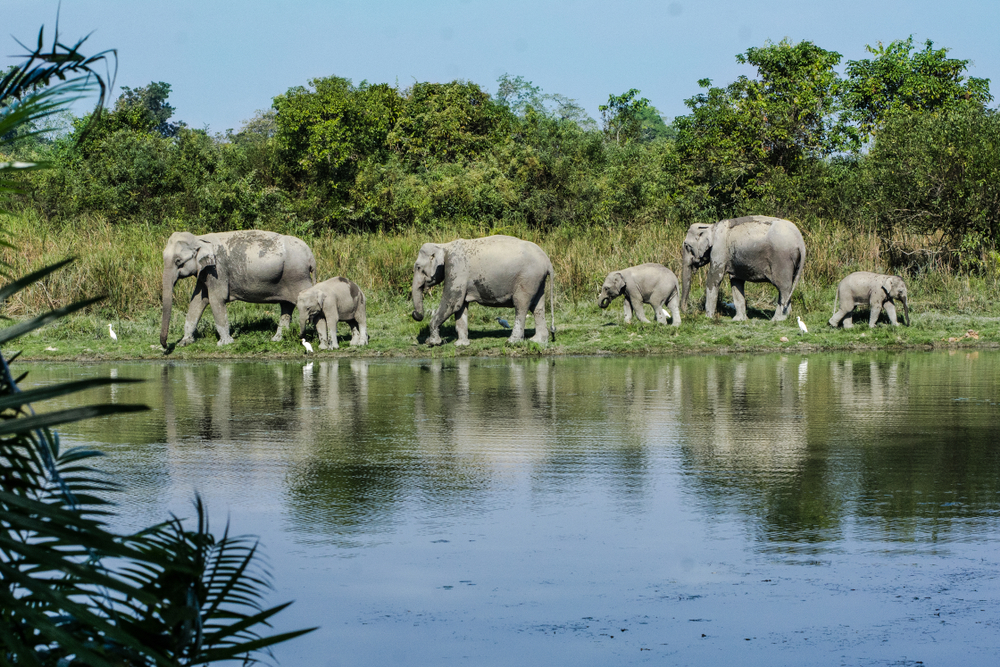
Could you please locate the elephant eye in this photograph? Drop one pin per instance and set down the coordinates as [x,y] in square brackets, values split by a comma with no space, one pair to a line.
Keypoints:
[178,261]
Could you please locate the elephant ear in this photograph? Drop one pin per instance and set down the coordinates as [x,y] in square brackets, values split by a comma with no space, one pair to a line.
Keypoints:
[205,254]
[617,282]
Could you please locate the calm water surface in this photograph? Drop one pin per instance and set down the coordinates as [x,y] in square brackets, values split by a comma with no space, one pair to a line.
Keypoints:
[775,510]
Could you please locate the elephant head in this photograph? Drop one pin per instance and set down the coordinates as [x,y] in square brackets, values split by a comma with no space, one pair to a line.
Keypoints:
[309,304]
[184,255]
[696,253]
[428,271]
[613,286]
[895,288]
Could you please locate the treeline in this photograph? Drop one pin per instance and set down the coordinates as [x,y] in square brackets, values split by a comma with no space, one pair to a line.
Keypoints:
[904,141]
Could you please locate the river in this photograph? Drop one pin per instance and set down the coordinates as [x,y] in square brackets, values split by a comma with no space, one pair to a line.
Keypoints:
[776,510]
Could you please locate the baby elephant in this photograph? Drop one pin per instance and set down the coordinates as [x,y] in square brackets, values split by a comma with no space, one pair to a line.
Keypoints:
[331,301]
[651,283]
[874,289]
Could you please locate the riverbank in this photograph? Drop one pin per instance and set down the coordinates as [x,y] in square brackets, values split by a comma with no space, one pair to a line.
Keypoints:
[581,330]
[124,263]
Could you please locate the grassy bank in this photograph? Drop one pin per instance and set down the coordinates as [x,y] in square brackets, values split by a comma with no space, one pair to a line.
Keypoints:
[124,263]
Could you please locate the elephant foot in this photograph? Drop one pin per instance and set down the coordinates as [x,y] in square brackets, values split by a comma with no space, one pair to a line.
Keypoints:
[740,318]
[434,341]
[540,340]
[779,316]
[462,343]
[185,341]
[276,338]
[225,341]
[324,346]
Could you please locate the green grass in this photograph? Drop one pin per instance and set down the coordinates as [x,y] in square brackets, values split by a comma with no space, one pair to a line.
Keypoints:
[124,263]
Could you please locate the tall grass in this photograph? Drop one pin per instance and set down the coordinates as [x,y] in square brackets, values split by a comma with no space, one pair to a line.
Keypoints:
[124,262]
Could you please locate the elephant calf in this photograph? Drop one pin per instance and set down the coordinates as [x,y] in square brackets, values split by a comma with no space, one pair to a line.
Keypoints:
[331,301]
[874,289]
[651,283]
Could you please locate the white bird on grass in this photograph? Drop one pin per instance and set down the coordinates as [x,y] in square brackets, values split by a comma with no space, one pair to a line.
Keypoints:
[309,348]
[504,323]
[111,331]
[802,325]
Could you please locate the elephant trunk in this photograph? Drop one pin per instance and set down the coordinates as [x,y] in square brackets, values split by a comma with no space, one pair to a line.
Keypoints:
[169,280]
[906,311]
[603,301]
[687,261]
[303,321]
[418,297]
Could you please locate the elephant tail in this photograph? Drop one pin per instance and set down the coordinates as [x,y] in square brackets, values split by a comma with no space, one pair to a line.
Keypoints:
[836,299]
[552,301]
[800,265]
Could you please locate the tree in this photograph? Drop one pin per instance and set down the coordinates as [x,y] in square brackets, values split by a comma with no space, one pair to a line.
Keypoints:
[622,116]
[899,79]
[447,122]
[786,115]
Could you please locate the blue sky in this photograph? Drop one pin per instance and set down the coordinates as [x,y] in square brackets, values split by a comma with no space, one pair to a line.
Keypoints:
[226,59]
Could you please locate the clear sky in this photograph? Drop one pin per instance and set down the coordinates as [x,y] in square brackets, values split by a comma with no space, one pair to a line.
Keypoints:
[225,59]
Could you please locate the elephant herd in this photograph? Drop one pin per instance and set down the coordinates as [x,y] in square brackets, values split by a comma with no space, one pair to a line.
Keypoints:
[501,271]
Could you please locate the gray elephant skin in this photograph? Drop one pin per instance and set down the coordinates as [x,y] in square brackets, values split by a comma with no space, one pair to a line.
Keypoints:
[250,265]
[500,271]
[755,248]
[331,301]
[876,290]
[649,283]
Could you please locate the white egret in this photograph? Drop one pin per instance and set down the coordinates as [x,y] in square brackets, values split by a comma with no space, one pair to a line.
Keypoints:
[111,331]
[802,325]
[309,348]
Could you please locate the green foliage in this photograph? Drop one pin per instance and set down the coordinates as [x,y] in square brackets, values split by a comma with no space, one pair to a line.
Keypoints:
[898,79]
[447,122]
[72,591]
[739,138]
[938,174]
[623,116]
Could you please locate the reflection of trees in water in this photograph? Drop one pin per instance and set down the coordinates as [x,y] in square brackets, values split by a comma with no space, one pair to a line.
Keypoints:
[805,444]
[809,447]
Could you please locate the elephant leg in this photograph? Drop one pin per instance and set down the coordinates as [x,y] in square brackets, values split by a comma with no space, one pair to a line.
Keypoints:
[221,321]
[838,316]
[628,311]
[284,320]
[890,310]
[361,323]
[323,329]
[199,302]
[355,332]
[876,307]
[712,291]
[849,320]
[541,326]
[784,304]
[635,297]
[739,299]
[674,304]
[521,306]
[462,325]
[444,311]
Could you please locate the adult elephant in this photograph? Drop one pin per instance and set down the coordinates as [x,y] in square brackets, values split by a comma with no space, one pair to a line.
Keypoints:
[755,248]
[252,266]
[500,271]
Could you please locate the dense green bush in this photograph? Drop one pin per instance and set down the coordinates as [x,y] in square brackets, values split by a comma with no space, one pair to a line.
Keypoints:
[339,156]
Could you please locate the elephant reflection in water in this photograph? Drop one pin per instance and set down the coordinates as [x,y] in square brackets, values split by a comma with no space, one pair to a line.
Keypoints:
[868,390]
[746,414]
[501,412]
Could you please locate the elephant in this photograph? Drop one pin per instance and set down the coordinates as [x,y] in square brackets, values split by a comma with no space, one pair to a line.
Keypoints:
[649,283]
[331,301]
[876,290]
[754,248]
[251,265]
[500,271]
